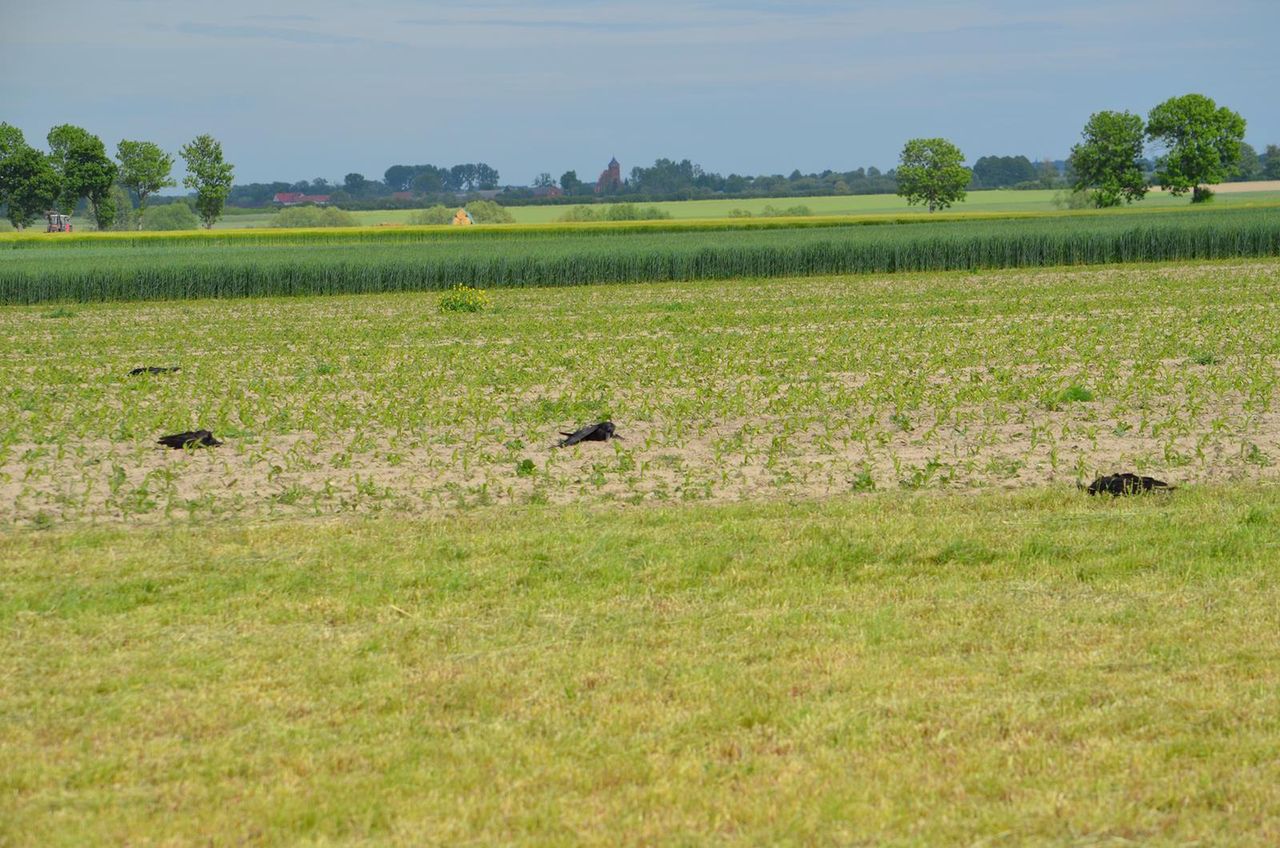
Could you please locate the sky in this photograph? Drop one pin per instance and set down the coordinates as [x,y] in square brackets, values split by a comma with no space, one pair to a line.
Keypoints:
[300,89]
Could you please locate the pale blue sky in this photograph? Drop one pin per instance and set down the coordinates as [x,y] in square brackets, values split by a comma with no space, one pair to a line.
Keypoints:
[319,88]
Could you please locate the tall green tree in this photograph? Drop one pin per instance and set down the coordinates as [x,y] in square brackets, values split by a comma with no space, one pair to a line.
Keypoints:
[355,184]
[1003,171]
[11,139]
[28,184]
[931,171]
[1201,142]
[1250,165]
[569,182]
[144,169]
[1271,162]
[126,216]
[84,171]
[1108,163]
[1047,174]
[209,176]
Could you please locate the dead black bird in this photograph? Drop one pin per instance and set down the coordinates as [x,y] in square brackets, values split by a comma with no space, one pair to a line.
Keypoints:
[154,369]
[602,432]
[1125,484]
[190,439]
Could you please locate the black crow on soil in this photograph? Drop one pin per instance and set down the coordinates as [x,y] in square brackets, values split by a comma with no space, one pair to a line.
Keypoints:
[1125,484]
[190,439]
[154,369]
[601,432]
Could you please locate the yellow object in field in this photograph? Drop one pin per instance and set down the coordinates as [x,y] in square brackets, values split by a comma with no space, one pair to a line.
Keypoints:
[463,218]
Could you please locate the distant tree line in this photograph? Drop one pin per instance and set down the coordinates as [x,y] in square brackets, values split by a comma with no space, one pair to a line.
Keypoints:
[424,182]
[669,179]
[1198,144]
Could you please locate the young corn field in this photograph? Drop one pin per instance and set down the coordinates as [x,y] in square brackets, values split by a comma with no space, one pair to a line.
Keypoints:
[800,387]
[37,270]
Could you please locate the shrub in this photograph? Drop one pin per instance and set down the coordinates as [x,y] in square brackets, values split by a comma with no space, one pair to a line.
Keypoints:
[171,216]
[488,212]
[615,212]
[579,213]
[462,298]
[798,211]
[432,215]
[1063,199]
[631,212]
[313,216]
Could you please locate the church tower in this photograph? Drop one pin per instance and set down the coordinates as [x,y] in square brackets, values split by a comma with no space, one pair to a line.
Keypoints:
[610,178]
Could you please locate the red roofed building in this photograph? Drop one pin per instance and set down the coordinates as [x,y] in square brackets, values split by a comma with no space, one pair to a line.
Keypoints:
[294,198]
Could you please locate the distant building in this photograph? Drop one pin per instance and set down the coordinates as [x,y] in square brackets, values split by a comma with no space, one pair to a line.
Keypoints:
[548,191]
[610,178]
[294,198]
[402,195]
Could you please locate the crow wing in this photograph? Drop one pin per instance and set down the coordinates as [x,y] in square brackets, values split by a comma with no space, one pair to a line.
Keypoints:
[578,435]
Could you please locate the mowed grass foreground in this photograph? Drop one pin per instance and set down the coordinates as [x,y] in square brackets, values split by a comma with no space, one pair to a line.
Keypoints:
[894,669]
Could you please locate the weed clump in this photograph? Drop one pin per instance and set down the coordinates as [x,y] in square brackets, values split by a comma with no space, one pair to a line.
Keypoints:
[462,298]
[1071,394]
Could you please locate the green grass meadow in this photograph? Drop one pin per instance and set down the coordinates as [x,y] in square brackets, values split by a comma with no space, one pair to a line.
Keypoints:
[1031,668]
[987,201]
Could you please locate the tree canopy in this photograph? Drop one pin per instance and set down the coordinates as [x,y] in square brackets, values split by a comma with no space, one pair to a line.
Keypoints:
[208,175]
[931,171]
[144,169]
[1108,163]
[1003,171]
[1271,162]
[1201,140]
[28,183]
[11,139]
[569,182]
[433,179]
[80,161]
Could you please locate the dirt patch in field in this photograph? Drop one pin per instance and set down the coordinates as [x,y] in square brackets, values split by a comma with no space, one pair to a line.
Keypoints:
[748,458]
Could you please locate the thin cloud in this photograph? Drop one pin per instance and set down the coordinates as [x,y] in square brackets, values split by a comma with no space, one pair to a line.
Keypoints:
[542,24]
[286,19]
[285,34]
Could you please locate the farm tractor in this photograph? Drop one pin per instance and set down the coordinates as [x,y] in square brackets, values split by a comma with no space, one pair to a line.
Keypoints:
[58,223]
